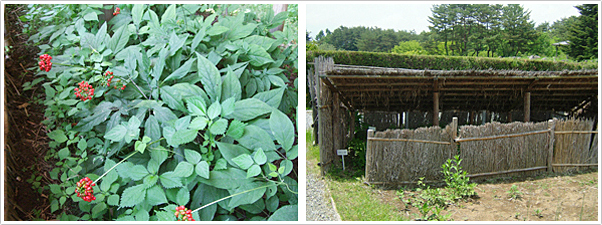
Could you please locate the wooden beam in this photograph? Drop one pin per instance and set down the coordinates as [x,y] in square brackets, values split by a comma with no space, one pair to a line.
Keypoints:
[527,111]
[409,140]
[343,96]
[435,108]
[507,171]
[551,127]
[502,136]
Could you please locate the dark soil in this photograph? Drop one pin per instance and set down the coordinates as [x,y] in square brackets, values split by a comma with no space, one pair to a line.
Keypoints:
[25,137]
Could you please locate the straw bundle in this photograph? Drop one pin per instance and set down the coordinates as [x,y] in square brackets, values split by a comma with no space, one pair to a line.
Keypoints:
[403,161]
[505,153]
[574,148]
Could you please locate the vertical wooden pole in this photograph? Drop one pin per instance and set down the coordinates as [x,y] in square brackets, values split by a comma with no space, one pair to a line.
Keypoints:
[369,155]
[454,134]
[527,106]
[407,119]
[551,126]
[337,125]
[509,116]
[435,108]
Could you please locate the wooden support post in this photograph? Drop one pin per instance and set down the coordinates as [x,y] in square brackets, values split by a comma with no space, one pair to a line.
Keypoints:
[407,119]
[369,154]
[527,106]
[509,116]
[454,135]
[337,126]
[551,126]
[435,108]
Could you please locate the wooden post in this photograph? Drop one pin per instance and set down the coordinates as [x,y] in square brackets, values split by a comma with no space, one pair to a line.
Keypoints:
[527,106]
[454,134]
[337,126]
[407,119]
[435,108]
[551,126]
[509,116]
[369,153]
[325,123]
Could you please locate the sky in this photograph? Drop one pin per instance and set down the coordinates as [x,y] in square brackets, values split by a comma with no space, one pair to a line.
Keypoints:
[410,15]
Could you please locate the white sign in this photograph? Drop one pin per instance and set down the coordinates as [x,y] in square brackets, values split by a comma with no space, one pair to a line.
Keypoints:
[342,152]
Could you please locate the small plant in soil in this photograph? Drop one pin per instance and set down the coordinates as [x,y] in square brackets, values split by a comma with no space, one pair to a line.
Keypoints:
[514,193]
[538,213]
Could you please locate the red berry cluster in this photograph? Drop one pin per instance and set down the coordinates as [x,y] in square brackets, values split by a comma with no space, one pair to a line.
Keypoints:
[116,11]
[85,91]
[111,79]
[45,63]
[84,189]
[183,214]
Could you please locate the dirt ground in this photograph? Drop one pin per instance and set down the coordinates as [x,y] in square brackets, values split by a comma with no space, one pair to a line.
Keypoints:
[26,137]
[545,198]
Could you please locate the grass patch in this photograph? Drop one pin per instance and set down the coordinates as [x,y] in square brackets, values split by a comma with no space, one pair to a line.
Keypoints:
[354,200]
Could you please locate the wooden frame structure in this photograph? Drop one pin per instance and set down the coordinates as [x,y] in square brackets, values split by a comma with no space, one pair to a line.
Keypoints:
[341,88]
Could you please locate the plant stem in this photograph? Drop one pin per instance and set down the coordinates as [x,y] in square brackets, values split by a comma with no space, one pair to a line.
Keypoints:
[104,174]
[71,65]
[224,198]
[138,88]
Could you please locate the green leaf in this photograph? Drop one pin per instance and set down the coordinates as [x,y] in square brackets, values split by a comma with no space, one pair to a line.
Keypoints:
[253,171]
[231,87]
[133,195]
[116,134]
[150,180]
[98,209]
[259,157]
[140,146]
[258,55]
[183,169]
[241,31]
[286,213]
[82,144]
[219,127]
[180,72]
[55,189]
[293,153]
[214,110]
[271,203]
[155,195]
[164,114]
[199,123]
[229,151]
[255,137]
[120,39]
[137,172]
[221,164]
[202,169]
[183,136]
[263,41]
[282,129]
[228,107]
[142,215]
[196,106]
[272,167]
[58,136]
[249,197]
[230,178]
[210,78]
[175,43]
[243,161]
[236,129]
[169,14]
[182,123]
[137,12]
[217,30]
[183,196]
[113,200]
[91,16]
[271,97]
[192,156]
[250,108]
[170,180]
[288,167]
[111,176]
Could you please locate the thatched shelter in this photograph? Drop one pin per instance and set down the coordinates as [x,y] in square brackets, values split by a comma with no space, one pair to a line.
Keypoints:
[340,89]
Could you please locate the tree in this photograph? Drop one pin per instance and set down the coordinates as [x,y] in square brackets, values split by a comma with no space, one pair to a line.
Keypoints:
[518,30]
[559,31]
[584,33]
[409,47]
[320,35]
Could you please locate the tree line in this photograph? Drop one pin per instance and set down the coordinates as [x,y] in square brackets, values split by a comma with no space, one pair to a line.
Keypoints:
[486,30]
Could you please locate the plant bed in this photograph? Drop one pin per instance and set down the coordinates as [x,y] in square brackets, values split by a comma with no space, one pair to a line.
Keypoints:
[168,112]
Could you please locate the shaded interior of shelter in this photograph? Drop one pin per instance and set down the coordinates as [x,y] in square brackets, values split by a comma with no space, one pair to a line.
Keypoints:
[408,98]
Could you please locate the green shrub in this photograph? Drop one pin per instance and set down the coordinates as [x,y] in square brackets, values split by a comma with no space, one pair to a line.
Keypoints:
[439,62]
[180,105]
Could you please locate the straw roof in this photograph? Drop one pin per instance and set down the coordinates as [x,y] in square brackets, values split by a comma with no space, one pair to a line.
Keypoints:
[398,89]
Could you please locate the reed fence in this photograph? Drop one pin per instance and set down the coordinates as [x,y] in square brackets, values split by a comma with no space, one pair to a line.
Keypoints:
[403,156]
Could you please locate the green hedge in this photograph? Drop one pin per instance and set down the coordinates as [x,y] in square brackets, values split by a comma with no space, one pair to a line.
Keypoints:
[437,62]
